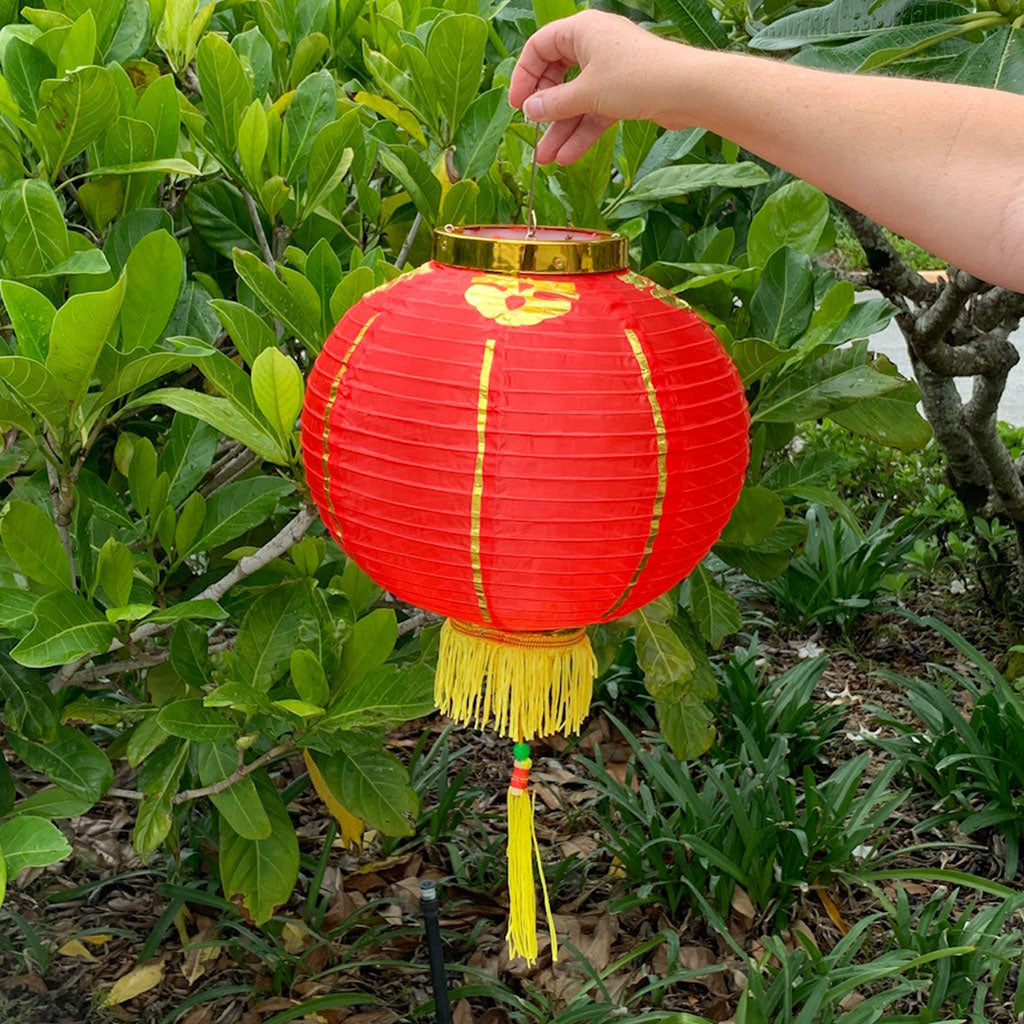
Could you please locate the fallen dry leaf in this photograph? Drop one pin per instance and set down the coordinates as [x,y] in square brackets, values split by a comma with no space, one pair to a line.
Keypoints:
[135,982]
[75,948]
[97,940]
[201,952]
[462,1014]
[295,938]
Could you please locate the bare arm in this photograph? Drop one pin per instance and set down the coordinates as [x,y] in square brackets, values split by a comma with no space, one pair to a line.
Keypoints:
[940,164]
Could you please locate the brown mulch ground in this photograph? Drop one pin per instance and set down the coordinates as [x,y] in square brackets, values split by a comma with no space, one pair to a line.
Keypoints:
[69,933]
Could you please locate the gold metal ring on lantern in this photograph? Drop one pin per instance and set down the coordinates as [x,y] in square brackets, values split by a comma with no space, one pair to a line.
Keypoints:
[516,249]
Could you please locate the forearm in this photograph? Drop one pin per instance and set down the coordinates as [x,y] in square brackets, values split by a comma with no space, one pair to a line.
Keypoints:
[940,164]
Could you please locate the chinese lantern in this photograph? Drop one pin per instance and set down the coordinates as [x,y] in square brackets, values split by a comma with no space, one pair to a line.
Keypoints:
[525,437]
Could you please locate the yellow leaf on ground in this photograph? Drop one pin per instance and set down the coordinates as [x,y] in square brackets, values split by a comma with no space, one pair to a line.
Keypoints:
[135,982]
[351,826]
[97,940]
[295,938]
[75,948]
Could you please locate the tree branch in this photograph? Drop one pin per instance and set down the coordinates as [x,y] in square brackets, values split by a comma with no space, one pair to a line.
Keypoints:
[257,223]
[216,787]
[63,499]
[274,548]
[887,271]
[247,769]
[996,307]
[409,239]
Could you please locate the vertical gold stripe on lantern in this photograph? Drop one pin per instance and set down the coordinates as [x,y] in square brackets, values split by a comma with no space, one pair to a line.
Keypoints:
[662,441]
[478,477]
[331,398]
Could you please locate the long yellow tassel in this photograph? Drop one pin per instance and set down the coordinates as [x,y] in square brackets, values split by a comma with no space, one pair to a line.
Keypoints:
[522,848]
[522,684]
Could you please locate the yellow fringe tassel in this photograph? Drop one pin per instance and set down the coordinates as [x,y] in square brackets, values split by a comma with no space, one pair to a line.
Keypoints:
[522,913]
[523,685]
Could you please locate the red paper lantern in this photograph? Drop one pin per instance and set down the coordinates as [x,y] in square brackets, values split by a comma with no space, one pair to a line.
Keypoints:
[527,438]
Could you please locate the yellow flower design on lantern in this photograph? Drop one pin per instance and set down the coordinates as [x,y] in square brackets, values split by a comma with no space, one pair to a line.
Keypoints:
[520,301]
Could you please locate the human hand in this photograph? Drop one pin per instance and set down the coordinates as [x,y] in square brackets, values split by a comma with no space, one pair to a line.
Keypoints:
[623,76]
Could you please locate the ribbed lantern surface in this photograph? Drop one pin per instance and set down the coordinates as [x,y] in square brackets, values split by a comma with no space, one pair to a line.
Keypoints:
[524,451]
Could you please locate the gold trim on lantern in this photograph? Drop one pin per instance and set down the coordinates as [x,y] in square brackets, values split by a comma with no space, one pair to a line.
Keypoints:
[662,442]
[507,249]
[332,397]
[478,478]
[523,685]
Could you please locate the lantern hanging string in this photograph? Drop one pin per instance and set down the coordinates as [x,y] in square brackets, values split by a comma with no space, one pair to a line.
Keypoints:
[531,215]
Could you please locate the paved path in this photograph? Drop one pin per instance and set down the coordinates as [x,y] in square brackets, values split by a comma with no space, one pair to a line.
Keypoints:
[890,342]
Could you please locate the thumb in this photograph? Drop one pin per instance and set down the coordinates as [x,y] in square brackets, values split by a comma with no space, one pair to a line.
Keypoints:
[558,102]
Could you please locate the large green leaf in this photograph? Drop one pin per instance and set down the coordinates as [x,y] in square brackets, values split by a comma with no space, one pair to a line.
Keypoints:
[367,646]
[900,43]
[162,775]
[696,22]
[681,179]
[754,516]
[551,10]
[312,108]
[226,90]
[783,301]
[995,63]
[837,380]
[329,161]
[52,802]
[67,627]
[80,330]
[35,235]
[687,725]
[26,67]
[32,314]
[238,507]
[262,871]
[384,696]
[190,657]
[667,664]
[714,610]
[33,544]
[415,176]
[269,633]
[302,321]
[891,418]
[30,708]
[373,785]
[72,762]
[191,720]
[277,389]
[75,111]
[28,841]
[34,385]
[455,47]
[221,414]
[481,132]
[848,19]
[153,276]
[795,215]
[250,332]
[239,804]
